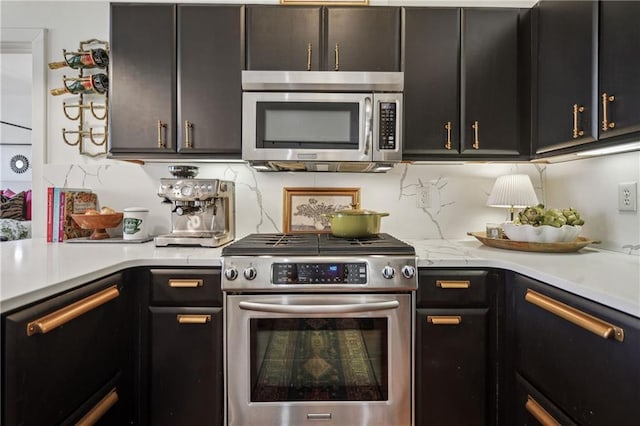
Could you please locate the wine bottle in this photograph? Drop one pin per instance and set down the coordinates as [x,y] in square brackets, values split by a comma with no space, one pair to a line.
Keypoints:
[94,58]
[96,83]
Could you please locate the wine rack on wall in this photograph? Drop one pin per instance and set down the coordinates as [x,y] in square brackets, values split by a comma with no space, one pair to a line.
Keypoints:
[90,87]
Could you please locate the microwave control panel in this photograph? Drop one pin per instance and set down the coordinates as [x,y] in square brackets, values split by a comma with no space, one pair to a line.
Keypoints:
[387,132]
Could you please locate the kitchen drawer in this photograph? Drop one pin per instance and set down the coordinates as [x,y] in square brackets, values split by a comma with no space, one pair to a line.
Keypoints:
[107,406]
[186,287]
[452,288]
[534,409]
[595,380]
[52,366]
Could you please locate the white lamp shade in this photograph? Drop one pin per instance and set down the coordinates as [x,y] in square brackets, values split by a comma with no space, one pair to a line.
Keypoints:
[512,191]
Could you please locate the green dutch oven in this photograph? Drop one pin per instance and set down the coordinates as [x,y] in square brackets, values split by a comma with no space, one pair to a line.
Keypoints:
[355,223]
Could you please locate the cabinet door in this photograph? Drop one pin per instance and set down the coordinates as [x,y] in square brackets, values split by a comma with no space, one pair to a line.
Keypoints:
[142,94]
[533,409]
[368,39]
[431,82]
[619,67]
[186,366]
[490,117]
[52,366]
[284,38]
[565,74]
[210,51]
[595,380]
[451,367]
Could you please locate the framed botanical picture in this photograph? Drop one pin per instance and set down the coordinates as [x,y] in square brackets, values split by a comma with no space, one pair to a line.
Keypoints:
[304,207]
[326,2]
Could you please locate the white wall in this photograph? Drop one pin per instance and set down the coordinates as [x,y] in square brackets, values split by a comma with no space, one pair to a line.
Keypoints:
[460,190]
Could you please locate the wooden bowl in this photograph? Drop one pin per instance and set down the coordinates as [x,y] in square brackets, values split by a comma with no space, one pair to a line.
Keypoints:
[98,222]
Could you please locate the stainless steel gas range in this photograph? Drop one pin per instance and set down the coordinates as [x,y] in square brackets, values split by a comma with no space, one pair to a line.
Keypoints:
[318,330]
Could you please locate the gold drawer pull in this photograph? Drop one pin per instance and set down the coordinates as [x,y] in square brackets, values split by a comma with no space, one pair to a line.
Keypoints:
[161,127]
[309,56]
[606,124]
[476,130]
[444,319]
[185,283]
[453,284]
[187,134]
[448,126]
[99,409]
[540,413]
[72,311]
[193,319]
[576,111]
[573,315]
[336,52]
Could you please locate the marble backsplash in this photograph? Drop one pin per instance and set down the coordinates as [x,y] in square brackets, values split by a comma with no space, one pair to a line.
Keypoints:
[457,195]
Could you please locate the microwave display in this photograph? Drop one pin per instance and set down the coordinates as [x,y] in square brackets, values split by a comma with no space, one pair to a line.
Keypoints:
[312,125]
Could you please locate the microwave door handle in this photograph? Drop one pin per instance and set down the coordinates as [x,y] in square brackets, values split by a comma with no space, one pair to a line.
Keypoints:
[368,126]
[319,309]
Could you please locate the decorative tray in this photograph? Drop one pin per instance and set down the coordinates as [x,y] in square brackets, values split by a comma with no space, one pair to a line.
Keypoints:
[505,243]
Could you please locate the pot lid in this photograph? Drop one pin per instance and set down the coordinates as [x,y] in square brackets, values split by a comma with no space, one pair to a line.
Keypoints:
[357,211]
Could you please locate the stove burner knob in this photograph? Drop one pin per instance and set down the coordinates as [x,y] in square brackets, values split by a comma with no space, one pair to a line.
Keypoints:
[408,271]
[250,273]
[388,272]
[231,273]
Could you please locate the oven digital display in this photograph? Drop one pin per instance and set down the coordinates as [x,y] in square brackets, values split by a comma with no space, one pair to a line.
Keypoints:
[319,273]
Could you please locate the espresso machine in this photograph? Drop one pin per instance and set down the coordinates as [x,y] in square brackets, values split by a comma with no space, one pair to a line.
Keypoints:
[203,210]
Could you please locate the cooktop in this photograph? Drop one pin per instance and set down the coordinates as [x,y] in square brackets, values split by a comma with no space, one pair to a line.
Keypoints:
[316,244]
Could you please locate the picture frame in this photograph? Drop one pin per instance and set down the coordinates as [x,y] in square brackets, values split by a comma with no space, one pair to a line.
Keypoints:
[325,2]
[303,208]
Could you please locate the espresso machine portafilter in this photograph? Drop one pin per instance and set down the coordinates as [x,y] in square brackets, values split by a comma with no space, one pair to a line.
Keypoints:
[203,210]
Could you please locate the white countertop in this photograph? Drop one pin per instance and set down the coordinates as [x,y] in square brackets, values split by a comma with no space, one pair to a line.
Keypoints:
[33,269]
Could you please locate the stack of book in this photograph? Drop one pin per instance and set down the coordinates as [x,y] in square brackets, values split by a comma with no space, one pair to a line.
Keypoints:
[61,203]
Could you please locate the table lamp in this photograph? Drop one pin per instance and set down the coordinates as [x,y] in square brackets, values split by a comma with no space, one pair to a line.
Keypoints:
[512,191]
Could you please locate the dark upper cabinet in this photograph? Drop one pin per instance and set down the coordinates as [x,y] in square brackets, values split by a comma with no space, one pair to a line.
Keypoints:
[490,104]
[619,68]
[566,113]
[431,82]
[463,83]
[284,38]
[175,81]
[305,38]
[142,93]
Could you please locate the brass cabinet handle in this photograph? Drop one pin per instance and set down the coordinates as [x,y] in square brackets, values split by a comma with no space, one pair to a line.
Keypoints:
[161,127]
[575,316]
[476,129]
[187,130]
[577,110]
[444,319]
[337,56]
[64,315]
[185,283]
[448,126]
[606,124]
[100,409]
[308,56]
[539,413]
[453,284]
[193,319]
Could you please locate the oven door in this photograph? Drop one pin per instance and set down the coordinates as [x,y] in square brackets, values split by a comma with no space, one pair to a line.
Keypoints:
[319,359]
[292,126]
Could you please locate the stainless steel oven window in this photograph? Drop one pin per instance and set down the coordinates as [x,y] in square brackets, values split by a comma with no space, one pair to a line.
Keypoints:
[319,359]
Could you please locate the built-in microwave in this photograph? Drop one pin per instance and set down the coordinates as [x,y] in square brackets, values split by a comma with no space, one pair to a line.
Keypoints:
[322,121]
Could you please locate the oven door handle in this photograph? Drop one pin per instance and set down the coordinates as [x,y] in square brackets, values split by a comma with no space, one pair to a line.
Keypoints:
[319,309]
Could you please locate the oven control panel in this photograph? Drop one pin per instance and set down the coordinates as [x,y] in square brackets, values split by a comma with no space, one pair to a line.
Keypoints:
[320,273]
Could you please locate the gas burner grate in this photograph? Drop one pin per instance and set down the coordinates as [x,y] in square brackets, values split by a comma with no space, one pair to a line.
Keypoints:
[273,244]
[377,244]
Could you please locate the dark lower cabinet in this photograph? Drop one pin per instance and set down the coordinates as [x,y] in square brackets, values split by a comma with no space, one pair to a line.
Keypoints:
[532,408]
[186,382]
[185,341]
[70,358]
[457,359]
[451,367]
[581,356]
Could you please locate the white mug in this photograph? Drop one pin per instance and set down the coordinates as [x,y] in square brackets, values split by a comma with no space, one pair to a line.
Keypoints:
[134,224]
